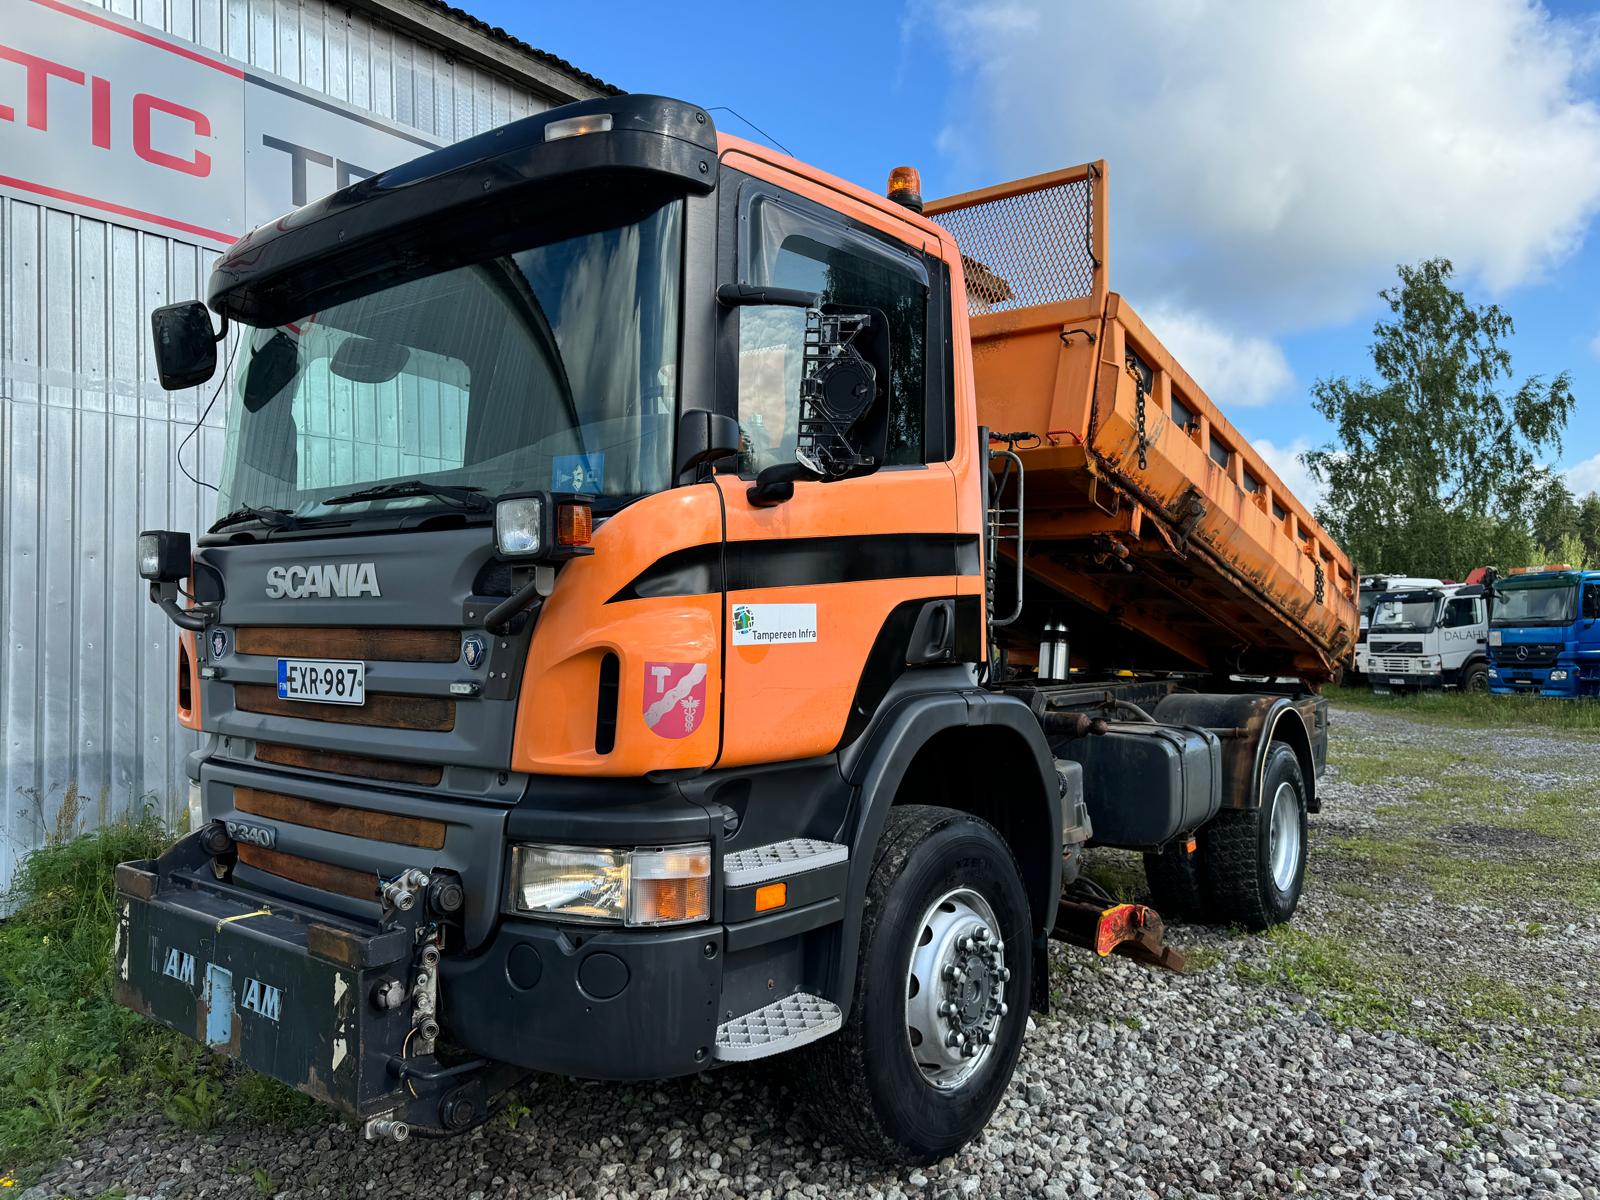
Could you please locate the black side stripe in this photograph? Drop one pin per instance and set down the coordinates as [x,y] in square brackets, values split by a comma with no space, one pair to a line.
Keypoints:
[792,562]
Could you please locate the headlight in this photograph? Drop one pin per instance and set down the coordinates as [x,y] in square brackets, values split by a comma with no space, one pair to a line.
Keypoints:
[164,555]
[519,526]
[1558,676]
[669,886]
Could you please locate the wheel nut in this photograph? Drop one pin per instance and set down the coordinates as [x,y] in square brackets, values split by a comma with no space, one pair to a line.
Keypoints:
[983,933]
[1003,1008]
[1005,974]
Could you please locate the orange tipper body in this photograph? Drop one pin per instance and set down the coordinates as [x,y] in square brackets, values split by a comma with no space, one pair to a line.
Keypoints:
[672,607]
[1143,503]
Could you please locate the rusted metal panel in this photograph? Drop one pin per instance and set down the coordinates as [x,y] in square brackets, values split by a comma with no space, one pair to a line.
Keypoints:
[326,877]
[338,818]
[361,765]
[389,645]
[388,710]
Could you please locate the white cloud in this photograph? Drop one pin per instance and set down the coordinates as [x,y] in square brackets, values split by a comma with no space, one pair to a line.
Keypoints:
[1286,462]
[1584,477]
[1270,163]
[1236,371]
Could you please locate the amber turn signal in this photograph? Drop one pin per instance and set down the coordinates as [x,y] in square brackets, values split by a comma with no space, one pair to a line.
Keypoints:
[772,895]
[574,524]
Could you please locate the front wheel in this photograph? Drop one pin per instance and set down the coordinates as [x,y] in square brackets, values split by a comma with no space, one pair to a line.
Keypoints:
[941,993]
[1255,859]
[1475,678]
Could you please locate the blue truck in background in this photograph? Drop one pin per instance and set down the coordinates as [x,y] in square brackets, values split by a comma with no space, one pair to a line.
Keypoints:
[1544,634]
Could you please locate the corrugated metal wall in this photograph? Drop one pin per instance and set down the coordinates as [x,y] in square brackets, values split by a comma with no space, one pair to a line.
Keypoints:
[88,439]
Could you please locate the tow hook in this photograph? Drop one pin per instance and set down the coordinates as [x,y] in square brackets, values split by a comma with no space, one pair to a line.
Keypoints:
[1133,930]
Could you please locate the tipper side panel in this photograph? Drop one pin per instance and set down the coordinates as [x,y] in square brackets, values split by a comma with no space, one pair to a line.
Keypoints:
[1154,529]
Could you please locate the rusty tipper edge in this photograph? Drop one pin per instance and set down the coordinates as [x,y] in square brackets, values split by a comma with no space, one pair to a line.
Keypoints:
[669,607]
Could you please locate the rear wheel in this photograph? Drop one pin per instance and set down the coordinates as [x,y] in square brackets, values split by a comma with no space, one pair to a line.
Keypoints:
[941,993]
[1255,860]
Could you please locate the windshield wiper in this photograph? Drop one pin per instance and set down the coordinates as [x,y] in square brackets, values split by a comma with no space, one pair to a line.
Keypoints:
[464,495]
[272,518]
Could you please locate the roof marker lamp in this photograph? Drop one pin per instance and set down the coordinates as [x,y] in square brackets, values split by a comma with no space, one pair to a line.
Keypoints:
[577,126]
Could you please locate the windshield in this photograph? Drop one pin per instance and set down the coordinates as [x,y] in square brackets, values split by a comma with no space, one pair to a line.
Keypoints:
[553,368]
[1552,604]
[1394,614]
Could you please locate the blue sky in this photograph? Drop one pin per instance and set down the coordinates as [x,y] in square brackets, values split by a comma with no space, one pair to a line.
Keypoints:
[1269,164]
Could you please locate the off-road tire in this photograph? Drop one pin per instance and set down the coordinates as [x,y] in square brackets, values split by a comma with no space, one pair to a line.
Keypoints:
[1474,678]
[1237,859]
[862,1086]
[1177,883]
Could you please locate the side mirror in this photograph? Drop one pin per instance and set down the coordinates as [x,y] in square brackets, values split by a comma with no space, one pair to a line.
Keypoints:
[704,437]
[186,346]
[844,391]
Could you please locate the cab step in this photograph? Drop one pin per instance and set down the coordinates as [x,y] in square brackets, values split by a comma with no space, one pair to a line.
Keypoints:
[782,1025]
[780,860]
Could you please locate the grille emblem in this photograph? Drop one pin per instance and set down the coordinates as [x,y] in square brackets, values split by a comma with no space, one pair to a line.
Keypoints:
[1522,654]
[472,652]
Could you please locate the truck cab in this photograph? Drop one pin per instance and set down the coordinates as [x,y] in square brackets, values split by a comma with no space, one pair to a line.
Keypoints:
[1429,638]
[1372,587]
[1545,637]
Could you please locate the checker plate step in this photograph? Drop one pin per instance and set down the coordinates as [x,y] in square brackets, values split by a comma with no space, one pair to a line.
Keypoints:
[782,1025]
[780,860]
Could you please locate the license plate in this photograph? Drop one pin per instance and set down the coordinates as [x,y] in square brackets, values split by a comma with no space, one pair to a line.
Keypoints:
[323,680]
[1392,683]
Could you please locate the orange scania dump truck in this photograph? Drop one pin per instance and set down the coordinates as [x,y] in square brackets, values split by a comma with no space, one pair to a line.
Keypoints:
[670,607]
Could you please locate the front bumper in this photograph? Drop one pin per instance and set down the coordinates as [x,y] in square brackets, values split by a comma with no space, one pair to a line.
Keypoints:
[1510,679]
[285,990]
[1385,682]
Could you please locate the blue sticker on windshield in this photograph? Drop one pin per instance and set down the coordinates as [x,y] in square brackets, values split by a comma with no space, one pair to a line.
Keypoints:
[583,473]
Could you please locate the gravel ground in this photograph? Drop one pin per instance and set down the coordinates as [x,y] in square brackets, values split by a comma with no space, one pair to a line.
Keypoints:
[1416,1032]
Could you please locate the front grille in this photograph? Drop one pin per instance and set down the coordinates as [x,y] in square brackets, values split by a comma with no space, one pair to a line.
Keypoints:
[325,877]
[390,711]
[1397,647]
[1529,654]
[338,818]
[362,766]
[1398,666]
[385,645]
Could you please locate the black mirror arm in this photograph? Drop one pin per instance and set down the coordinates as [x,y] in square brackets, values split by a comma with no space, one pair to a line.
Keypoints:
[222,331]
[165,597]
[775,484]
[733,295]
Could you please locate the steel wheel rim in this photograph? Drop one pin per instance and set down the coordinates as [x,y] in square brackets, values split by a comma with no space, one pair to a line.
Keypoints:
[955,988]
[1285,836]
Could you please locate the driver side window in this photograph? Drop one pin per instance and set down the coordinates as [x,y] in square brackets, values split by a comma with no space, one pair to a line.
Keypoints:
[1591,602]
[789,249]
[1460,612]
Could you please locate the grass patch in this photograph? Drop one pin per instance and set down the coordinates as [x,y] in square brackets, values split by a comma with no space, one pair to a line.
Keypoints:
[69,1057]
[1346,986]
[1477,710]
[1120,872]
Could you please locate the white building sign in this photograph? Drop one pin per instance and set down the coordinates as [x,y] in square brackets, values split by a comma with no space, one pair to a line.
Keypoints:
[107,117]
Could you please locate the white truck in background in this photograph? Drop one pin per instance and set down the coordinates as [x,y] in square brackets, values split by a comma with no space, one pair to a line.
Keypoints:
[1429,638]
[1373,586]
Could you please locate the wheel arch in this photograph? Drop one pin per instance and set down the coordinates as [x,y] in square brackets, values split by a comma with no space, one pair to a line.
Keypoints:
[1250,723]
[953,739]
